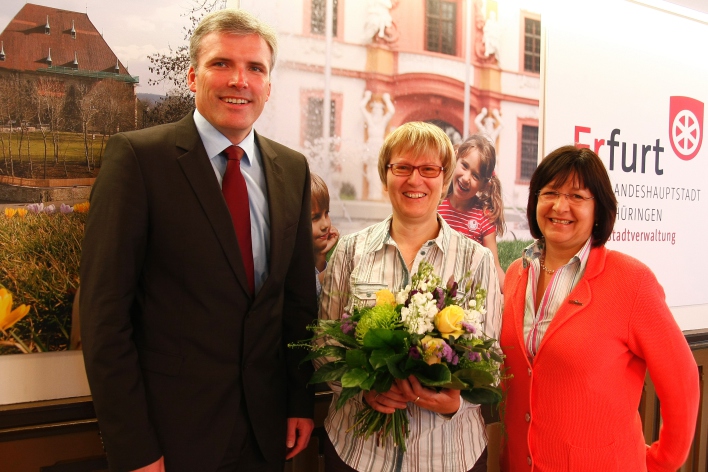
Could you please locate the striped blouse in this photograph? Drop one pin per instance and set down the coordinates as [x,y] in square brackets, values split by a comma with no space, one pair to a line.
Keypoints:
[365,262]
[563,281]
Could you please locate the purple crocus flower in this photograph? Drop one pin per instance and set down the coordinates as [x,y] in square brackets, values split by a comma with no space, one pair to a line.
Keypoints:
[35,207]
[49,209]
[64,208]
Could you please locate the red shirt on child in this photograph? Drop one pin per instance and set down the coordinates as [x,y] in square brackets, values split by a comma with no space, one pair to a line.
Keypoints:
[472,223]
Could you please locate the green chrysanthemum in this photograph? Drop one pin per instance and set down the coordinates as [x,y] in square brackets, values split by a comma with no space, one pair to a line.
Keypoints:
[379,316]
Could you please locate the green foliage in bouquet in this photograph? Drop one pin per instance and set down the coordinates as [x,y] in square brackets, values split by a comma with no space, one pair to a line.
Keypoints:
[427,331]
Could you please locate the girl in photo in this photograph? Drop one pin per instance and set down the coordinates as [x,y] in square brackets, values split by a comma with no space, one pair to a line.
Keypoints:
[473,205]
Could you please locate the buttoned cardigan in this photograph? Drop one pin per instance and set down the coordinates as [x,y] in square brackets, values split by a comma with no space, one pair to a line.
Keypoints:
[576,407]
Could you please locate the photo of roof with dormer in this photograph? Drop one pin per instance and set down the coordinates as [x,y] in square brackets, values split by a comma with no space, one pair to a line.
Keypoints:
[49,40]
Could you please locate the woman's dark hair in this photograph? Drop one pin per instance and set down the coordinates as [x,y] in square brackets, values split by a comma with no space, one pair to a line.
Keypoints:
[586,168]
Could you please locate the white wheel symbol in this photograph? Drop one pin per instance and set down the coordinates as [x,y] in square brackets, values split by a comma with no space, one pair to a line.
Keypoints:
[685,132]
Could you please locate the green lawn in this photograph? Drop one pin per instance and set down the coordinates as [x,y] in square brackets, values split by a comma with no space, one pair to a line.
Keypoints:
[509,251]
[71,146]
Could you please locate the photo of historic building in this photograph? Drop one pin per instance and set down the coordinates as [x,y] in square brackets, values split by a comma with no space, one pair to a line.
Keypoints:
[58,75]
[467,66]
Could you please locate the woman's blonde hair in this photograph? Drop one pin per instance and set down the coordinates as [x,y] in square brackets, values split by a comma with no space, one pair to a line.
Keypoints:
[418,138]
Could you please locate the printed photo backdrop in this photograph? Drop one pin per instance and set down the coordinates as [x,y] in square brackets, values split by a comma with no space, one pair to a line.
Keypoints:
[60,104]
[377,55]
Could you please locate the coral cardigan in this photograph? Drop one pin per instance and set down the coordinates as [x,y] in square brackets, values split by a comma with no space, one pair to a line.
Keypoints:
[576,407]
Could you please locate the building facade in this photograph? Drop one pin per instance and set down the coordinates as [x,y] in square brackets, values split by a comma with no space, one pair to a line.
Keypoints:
[55,59]
[391,62]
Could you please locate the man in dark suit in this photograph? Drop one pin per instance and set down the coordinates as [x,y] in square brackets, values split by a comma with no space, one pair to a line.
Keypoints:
[184,329]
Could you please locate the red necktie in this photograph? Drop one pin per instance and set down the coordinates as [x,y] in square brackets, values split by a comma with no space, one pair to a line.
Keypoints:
[236,195]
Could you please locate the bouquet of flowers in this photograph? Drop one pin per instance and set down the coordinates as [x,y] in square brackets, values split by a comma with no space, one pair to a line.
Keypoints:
[427,330]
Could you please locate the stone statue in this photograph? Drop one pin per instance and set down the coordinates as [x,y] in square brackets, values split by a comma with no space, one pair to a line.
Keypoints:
[379,23]
[376,122]
[489,125]
[492,35]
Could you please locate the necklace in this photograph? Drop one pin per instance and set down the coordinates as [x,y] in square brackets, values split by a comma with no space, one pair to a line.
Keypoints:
[542,259]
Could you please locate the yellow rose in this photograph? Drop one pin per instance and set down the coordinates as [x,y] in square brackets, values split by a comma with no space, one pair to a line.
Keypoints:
[432,349]
[385,297]
[8,316]
[449,320]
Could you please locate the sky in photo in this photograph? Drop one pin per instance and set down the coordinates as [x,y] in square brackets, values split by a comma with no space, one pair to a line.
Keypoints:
[134,29]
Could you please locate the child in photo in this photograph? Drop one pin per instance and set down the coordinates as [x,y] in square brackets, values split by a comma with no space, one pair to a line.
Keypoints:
[324,235]
[473,205]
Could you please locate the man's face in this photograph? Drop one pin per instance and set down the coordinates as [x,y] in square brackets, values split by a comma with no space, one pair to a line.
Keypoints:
[231,82]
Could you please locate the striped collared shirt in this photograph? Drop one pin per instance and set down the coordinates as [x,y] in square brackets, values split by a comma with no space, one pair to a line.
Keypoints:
[366,262]
[563,281]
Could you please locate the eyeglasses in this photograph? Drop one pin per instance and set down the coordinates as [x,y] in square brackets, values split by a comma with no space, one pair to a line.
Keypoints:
[573,198]
[404,170]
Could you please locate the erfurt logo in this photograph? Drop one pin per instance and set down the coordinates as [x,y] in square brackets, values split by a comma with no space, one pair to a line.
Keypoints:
[685,126]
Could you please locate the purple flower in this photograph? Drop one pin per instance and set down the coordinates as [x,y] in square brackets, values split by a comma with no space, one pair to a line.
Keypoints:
[49,209]
[410,295]
[473,356]
[64,208]
[348,327]
[35,207]
[448,354]
[414,353]
[469,328]
[439,295]
[452,288]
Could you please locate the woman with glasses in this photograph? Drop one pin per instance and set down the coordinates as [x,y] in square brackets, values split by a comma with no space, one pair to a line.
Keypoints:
[581,326]
[447,434]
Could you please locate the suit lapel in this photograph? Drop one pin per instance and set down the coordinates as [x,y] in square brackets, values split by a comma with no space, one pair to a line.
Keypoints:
[276,198]
[200,174]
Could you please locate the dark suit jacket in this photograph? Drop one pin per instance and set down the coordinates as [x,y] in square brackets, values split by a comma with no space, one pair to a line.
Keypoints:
[172,341]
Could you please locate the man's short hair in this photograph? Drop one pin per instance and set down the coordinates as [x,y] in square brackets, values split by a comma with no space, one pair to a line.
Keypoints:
[232,21]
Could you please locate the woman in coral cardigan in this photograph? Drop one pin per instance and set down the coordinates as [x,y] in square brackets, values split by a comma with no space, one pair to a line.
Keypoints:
[581,326]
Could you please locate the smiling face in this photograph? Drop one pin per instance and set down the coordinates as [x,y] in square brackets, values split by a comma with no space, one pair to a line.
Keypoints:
[321,225]
[231,82]
[414,198]
[467,179]
[566,226]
